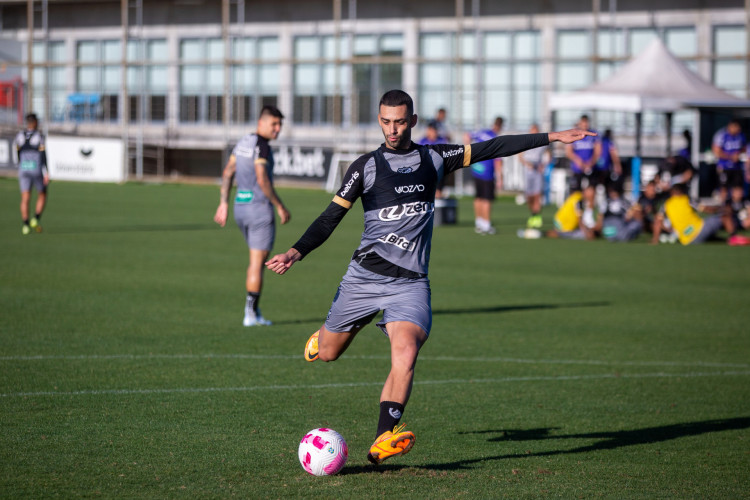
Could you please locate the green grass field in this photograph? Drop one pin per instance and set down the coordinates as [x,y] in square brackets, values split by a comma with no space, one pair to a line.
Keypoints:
[554,369]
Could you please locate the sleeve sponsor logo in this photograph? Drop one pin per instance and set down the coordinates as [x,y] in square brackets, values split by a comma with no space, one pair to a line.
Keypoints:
[244,152]
[349,184]
[396,212]
[453,152]
[399,241]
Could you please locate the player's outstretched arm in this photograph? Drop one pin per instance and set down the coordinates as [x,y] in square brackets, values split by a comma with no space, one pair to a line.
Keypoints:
[282,262]
[569,136]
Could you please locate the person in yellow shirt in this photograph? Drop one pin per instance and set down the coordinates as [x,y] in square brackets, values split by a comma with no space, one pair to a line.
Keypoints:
[578,218]
[685,221]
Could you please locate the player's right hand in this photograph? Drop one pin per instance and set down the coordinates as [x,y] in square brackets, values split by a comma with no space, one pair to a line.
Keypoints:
[221,214]
[282,262]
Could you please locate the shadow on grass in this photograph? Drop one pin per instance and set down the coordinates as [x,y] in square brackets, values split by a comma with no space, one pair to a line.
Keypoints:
[133,228]
[522,307]
[606,441]
[472,310]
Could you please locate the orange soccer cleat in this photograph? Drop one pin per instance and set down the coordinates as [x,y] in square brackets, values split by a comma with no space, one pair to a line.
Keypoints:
[311,348]
[389,444]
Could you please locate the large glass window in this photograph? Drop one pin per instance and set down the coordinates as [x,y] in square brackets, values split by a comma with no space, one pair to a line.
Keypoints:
[50,79]
[202,80]
[730,67]
[373,73]
[254,80]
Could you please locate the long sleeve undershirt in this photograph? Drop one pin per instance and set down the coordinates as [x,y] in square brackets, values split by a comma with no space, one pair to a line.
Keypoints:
[505,145]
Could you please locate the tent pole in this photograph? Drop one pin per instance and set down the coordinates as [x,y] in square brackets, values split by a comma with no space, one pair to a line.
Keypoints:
[635,165]
[668,116]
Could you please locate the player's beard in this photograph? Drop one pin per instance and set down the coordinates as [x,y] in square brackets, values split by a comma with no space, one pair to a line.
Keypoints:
[401,142]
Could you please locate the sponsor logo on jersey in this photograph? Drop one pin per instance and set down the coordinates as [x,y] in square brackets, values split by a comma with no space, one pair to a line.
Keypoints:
[453,152]
[399,241]
[349,184]
[396,212]
[405,170]
[414,188]
[244,152]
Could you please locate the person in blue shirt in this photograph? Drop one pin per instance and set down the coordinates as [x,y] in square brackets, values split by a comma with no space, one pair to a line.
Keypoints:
[728,144]
[583,156]
[487,177]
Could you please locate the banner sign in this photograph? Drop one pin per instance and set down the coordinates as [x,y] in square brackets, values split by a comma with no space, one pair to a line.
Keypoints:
[7,154]
[303,164]
[85,159]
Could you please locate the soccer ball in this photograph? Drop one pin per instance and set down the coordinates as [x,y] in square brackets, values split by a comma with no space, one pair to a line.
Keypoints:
[323,452]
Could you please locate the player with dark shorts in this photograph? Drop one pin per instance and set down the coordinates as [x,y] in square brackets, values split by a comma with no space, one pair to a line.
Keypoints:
[32,173]
[487,177]
[583,156]
[728,144]
[251,165]
[388,271]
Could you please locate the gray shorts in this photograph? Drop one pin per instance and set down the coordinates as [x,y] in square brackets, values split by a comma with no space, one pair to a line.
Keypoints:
[576,234]
[27,179]
[257,224]
[362,294]
[711,226]
[534,182]
[618,229]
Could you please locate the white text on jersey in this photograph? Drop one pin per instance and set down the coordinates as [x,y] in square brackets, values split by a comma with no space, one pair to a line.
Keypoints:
[410,189]
[396,212]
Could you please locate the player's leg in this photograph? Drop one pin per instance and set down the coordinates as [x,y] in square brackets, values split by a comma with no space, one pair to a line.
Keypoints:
[406,339]
[41,202]
[254,285]
[331,345]
[25,198]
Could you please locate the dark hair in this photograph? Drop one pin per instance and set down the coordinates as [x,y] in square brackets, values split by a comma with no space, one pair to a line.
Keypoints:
[394,98]
[608,134]
[432,124]
[271,110]
[584,117]
[31,117]
[499,122]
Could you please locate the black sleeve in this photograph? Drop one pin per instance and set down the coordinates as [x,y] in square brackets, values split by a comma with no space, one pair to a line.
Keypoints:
[506,145]
[320,229]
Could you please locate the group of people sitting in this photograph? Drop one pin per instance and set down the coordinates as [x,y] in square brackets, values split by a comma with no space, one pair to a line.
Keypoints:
[664,210]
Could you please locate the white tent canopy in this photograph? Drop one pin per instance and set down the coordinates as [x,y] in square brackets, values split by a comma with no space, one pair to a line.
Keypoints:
[655,80]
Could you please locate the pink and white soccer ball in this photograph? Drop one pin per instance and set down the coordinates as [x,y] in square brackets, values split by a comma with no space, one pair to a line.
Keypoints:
[323,452]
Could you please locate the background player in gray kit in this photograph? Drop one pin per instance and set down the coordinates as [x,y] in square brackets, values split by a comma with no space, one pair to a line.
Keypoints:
[251,165]
[32,172]
[388,271]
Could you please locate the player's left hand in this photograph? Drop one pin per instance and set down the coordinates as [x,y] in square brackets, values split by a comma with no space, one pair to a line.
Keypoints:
[569,136]
[284,214]
[46,180]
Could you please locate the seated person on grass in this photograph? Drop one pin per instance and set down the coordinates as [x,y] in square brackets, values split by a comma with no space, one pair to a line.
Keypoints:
[690,227]
[649,203]
[578,217]
[622,220]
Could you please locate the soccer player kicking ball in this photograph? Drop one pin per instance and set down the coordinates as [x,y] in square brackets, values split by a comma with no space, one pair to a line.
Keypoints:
[388,271]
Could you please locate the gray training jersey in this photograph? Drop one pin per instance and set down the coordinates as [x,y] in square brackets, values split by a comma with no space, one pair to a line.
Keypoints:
[397,188]
[30,147]
[250,150]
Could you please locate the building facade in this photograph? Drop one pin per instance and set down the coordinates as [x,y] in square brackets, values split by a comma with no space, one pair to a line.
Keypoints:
[181,80]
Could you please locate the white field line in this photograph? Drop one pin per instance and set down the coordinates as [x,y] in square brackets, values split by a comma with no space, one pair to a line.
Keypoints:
[188,390]
[459,359]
